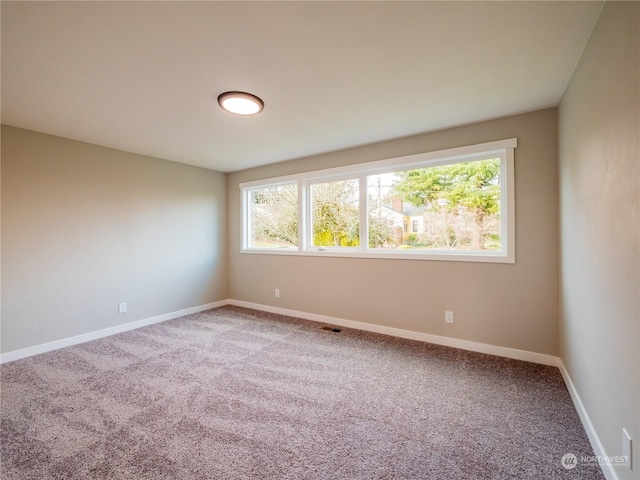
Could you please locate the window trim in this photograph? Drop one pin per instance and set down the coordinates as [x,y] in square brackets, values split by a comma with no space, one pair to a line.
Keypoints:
[501,148]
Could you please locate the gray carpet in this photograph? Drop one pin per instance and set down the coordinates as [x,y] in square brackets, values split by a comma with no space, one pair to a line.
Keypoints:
[233,393]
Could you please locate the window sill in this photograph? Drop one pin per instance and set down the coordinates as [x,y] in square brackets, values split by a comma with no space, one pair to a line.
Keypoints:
[484,257]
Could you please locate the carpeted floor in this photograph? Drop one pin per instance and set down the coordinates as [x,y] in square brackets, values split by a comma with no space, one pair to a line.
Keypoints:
[233,393]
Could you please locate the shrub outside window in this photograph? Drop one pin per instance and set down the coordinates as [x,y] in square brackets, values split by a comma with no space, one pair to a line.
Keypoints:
[335,213]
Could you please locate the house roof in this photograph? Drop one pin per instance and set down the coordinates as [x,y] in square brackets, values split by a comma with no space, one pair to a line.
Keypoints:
[411,210]
[144,76]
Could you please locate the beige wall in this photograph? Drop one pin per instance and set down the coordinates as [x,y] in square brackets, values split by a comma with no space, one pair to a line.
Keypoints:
[599,130]
[86,227]
[500,304]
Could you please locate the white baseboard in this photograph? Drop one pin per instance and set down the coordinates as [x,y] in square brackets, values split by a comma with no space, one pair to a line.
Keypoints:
[87,337]
[395,332]
[409,334]
[598,449]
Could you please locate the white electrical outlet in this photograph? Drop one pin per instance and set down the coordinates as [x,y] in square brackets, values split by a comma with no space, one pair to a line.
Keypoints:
[277,293]
[626,447]
[448,316]
[122,307]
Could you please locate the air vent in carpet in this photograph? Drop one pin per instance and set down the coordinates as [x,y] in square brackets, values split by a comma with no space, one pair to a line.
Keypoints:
[331,329]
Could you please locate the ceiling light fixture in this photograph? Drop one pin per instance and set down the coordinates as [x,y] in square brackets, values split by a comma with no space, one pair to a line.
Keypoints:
[240,103]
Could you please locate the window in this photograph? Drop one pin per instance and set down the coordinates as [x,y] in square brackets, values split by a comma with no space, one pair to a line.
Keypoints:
[273,217]
[449,207]
[335,213]
[455,204]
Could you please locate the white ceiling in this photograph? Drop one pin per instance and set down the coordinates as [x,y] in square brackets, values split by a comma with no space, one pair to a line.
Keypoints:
[144,76]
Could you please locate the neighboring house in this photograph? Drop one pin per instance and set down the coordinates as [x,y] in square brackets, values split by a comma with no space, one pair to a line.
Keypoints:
[405,215]
[413,218]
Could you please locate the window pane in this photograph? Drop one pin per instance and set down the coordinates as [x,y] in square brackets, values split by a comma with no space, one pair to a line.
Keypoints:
[273,216]
[335,214]
[386,221]
[449,207]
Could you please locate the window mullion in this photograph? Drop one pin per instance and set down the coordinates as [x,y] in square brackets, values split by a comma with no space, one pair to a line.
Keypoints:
[246,225]
[302,217]
[307,220]
[364,212]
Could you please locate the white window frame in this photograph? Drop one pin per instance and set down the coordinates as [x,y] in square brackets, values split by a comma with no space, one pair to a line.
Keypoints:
[247,232]
[503,149]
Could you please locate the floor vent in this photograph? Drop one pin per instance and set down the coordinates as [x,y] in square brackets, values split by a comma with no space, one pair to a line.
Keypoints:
[331,329]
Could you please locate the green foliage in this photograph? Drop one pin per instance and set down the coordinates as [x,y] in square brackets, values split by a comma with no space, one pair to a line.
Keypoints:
[328,238]
[473,185]
[336,215]
[411,238]
[462,202]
